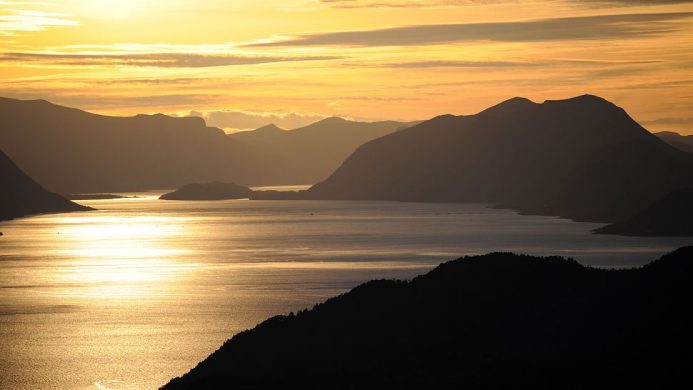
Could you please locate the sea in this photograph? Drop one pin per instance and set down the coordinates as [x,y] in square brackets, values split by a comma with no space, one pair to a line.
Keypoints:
[140,290]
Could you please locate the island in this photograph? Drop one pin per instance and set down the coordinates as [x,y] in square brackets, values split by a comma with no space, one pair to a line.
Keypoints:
[209,191]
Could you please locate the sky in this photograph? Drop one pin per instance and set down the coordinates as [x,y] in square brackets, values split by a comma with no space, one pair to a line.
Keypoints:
[292,61]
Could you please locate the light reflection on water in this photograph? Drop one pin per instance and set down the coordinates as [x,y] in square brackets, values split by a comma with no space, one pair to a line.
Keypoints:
[139,291]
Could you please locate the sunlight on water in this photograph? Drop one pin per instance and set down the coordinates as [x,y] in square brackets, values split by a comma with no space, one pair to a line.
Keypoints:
[139,291]
[116,256]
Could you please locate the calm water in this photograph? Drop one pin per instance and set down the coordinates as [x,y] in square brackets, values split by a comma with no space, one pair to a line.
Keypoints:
[138,292]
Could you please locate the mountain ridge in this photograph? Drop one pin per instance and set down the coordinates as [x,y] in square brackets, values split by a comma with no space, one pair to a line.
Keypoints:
[575,158]
[669,216]
[479,322]
[21,196]
[307,154]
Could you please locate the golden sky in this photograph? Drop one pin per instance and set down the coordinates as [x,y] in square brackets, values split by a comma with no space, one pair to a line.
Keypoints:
[372,59]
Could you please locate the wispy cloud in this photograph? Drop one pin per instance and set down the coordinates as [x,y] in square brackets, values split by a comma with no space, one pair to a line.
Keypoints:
[160,60]
[554,29]
[461,64]
[14,22]
[457,3]
[491,64]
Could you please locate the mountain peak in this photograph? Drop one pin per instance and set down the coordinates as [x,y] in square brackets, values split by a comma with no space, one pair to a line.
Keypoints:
[510,105]
[586,101]
[332,120]
[271,128]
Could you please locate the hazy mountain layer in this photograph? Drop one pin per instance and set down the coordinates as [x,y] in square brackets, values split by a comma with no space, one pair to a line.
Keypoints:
[671,215]
[72,151]
[306,155]
[683,142]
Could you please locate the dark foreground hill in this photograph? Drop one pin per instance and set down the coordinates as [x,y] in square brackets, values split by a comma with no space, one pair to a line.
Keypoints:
[671,215]
[21,196]
[583,158]
[484,322]
[682,142]
[308,154]
[208,191]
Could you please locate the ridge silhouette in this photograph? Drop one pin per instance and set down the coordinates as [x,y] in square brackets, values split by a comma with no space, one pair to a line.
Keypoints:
[483,322]
[308,154]
[671,216]
[682,142]
[21,196]
[582,158]
[72,151]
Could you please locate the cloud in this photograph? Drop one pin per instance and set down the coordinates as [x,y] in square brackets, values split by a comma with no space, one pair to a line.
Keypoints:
[161,60]
[13,22]
[462,64]
[239,120]
[457,3]
[554,29]
[96,100]
[668,121]
[514,63]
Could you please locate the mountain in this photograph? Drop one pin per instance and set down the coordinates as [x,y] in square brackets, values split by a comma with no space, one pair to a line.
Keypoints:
[72,151]
[683,142]
[308,154]
[21,196]
[496,321]
[671,215]
[582,158]
[208,191]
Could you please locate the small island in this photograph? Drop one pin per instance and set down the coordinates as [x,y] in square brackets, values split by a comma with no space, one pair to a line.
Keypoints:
[209,191]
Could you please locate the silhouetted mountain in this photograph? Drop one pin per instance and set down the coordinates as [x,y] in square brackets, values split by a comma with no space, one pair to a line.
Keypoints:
[671,215]
[308,154]
[208,191]
[483,322]
[21,196]
[72,151]
[683,142]
[582,158]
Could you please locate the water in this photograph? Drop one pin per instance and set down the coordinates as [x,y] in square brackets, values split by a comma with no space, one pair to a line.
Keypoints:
[138,292]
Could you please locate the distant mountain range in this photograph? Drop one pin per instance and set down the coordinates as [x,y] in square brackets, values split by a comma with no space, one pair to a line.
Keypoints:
[498,321]
[308,154]
[73,151]
[672,215]
[21,196]
[683,142]
[583,158]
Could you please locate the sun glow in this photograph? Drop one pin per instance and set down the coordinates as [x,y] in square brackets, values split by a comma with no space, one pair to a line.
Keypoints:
[110,9]
[120,257]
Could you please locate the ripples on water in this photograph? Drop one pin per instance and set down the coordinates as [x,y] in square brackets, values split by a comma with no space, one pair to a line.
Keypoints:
[138,292]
